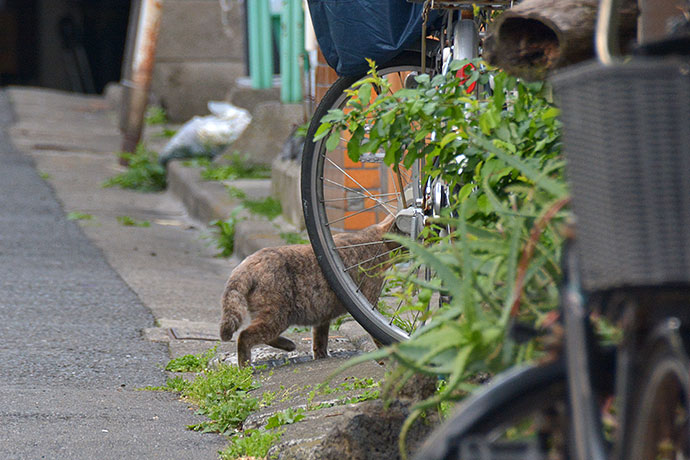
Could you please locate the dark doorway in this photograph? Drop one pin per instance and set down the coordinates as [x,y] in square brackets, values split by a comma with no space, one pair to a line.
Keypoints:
[74,45]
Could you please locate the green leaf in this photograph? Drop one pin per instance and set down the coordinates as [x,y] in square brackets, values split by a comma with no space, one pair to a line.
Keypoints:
[322,131]
[489,120]
[450,279]
[550,185]
[364,93]
[333,141]
[449,137]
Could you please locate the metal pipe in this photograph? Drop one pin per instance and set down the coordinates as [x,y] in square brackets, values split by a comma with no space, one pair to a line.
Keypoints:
[606,33]
[142,71]
[260,44]
[291,48]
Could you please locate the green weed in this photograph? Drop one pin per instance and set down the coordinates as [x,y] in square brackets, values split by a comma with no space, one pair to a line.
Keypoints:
[196,163]
[226,413]
[368,384]
[143,172]
[131,222]
[250,443]
[76,215]
[293,238]
[268,207]
[286,417]
[223,395]
[223,235]
[155,115]
[168,133]
[192,363]
[237,168]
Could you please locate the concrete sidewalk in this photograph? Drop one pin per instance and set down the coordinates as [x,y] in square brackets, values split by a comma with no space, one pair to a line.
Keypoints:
[170,264]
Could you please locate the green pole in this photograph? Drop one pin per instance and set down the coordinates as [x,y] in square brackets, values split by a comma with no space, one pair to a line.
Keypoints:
[260,44]
[291,48]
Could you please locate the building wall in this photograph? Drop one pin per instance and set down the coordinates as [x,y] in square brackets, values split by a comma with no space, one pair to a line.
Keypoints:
[197,59]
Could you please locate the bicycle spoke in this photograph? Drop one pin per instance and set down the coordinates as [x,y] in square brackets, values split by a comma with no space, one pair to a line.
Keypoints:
[368,194]
[363,195]
[335,200]
[340,219]
[368,260]
[359,245]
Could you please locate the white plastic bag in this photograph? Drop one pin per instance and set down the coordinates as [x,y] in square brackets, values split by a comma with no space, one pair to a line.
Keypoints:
[209,135]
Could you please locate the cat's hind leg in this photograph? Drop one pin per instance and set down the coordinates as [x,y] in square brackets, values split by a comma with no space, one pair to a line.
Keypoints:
[283,343]
[320,340]
[263,329]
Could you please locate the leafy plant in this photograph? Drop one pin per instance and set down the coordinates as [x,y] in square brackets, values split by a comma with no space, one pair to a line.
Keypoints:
[224,233]
[155,115]
[192,363]
[131,222]
[286,417]
[226,413]
[143,172]
[250,444]
[439,121]
[223,394]
[499,155]
[238,168]
[268,207]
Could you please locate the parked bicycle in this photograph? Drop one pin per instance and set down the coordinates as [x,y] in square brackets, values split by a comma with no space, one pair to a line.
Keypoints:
[627,144]
[340,195]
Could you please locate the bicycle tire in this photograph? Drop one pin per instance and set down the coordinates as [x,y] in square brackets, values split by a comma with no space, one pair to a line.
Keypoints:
[314,189]
[661,411]
[512,396]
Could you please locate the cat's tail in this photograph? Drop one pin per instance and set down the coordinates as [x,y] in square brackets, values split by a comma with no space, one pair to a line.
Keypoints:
[234,304]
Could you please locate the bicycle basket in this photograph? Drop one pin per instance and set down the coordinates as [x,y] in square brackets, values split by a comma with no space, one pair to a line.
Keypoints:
[626,134]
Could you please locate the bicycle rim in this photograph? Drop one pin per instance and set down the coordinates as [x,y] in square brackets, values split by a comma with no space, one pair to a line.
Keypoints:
[342,196]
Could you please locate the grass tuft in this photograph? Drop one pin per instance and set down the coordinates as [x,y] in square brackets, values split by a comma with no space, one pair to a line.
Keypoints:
[143,173]
[237,168]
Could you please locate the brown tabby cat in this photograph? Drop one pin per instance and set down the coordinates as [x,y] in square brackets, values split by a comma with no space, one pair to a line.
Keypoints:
[283,286]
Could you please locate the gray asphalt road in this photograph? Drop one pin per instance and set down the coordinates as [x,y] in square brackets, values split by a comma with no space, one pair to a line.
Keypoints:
[71,352]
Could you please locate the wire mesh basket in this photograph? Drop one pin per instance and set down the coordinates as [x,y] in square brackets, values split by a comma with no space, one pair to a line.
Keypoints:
[626,133]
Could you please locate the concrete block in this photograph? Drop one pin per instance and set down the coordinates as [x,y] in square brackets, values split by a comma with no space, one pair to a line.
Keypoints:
[243,95]
[271,126]
[285,185]
[184,88]
[254,234]
[204,200]
[192,30]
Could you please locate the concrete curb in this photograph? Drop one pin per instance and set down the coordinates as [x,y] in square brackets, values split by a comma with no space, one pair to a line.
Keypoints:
[206,201]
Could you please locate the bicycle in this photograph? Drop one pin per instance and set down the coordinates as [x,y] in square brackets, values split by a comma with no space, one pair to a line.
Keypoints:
[627,143]
[341,195]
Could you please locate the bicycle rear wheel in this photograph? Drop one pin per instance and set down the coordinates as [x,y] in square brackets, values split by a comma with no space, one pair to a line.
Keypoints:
[661,427]
[342,196]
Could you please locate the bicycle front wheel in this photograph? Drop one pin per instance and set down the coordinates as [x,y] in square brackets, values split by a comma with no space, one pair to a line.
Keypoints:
[522,415]
[342,196]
